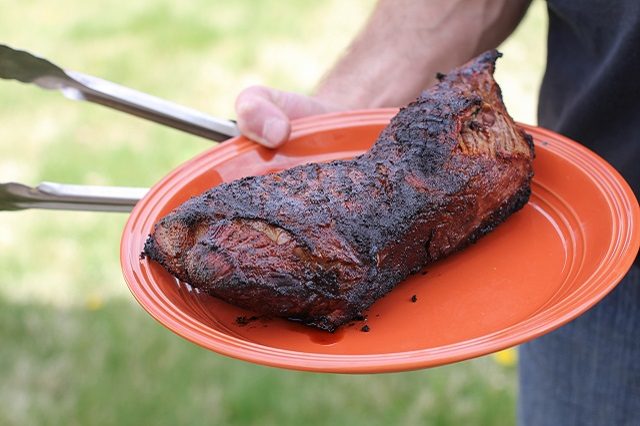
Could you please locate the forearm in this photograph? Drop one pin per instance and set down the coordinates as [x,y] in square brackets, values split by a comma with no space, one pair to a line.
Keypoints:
[405,42]
[393,58]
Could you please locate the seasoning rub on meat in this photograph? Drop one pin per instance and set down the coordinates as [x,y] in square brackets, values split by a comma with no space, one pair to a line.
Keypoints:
[320,243]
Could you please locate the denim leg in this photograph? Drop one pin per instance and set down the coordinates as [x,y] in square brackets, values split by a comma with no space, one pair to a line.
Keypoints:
[588,371]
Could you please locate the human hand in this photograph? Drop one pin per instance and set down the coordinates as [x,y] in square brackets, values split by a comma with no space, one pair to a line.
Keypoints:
[264,114]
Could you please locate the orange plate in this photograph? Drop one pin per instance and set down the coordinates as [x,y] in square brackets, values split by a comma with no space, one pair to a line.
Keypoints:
[547,264]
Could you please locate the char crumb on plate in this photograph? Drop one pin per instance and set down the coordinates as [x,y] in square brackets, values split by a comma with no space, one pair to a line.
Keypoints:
[243,320]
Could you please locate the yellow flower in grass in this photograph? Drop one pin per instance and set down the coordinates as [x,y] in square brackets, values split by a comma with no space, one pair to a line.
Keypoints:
[507,357]
[93,302]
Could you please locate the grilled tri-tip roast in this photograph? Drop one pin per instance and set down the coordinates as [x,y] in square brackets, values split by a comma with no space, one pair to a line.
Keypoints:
[320,243]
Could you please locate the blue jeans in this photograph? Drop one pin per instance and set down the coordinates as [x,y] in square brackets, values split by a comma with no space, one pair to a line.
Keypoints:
[588,371]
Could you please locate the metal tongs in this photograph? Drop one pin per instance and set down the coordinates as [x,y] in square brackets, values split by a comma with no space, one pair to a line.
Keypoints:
[28,68]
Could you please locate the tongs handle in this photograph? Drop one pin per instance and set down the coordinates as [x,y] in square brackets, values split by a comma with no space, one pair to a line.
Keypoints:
[58,196]
[28,68]
[131,101]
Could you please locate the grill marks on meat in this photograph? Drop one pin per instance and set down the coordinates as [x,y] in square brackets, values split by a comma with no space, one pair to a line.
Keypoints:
[319,243]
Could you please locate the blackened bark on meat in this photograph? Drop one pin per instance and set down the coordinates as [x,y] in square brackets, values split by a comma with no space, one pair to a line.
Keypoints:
[319,243]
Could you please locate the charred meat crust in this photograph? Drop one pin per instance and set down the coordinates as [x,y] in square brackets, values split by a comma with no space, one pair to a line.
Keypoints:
[319,243]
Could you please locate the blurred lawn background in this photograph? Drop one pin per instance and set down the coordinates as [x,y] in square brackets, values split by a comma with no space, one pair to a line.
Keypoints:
[76,347]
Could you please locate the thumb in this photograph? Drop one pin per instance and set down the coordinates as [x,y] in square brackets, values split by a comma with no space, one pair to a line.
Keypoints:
[265,114]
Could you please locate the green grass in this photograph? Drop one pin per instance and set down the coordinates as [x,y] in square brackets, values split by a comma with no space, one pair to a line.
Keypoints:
[112,364]
[76,348]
